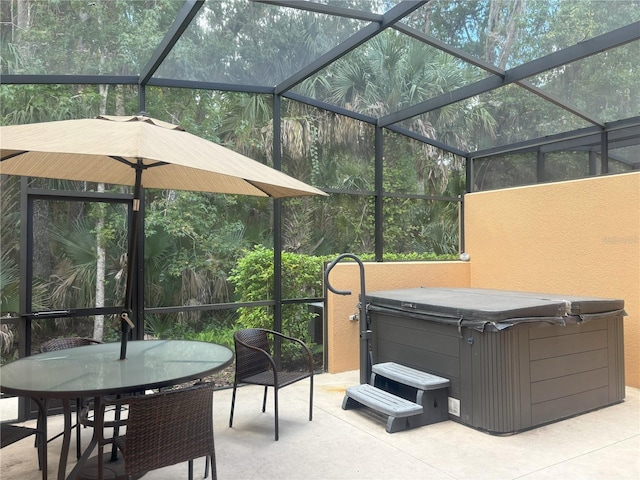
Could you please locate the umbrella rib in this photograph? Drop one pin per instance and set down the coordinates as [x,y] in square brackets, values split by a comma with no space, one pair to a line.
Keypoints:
[257,187]
[139,164]
[8,157]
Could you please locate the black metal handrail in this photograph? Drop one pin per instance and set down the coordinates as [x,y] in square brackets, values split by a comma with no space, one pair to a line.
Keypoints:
[365,333]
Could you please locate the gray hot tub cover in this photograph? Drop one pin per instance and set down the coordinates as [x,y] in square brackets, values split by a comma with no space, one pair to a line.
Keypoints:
[491,310]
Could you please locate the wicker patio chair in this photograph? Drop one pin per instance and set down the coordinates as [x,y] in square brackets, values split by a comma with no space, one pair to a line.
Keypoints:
[167,428]
[62,344]
[10,434]
[255,365]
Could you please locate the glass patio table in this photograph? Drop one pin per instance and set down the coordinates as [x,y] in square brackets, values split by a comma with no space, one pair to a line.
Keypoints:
[96,371]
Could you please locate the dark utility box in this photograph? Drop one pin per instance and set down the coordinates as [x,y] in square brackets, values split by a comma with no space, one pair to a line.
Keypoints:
[515,360]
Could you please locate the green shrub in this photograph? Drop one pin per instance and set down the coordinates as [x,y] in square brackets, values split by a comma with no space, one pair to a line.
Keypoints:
[254,280]
[214,334]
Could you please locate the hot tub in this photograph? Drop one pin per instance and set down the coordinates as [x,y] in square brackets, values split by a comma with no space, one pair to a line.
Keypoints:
[515,360]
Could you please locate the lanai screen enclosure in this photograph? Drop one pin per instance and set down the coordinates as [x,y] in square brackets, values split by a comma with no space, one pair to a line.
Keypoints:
[393,108]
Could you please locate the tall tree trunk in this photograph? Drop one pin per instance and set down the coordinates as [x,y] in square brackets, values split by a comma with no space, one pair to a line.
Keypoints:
[98,321]
[43,261]
[22,15]
[502,30]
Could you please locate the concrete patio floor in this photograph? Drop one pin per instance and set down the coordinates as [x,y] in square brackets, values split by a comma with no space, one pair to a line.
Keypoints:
[337,444]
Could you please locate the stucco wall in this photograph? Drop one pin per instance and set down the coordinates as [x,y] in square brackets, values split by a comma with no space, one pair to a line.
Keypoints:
[580,237]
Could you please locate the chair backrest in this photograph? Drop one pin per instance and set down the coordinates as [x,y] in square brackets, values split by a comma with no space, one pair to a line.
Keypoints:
[250,362]
[168,428]
[64,343]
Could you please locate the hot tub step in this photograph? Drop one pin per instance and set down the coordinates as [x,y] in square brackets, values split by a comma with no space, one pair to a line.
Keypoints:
[382,401]
[411,398]
[408,376]
[398,410]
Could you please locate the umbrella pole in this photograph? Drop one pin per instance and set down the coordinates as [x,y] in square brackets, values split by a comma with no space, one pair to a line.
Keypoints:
[127,323]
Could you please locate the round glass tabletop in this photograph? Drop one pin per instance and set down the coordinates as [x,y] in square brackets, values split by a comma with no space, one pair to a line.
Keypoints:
[96,369]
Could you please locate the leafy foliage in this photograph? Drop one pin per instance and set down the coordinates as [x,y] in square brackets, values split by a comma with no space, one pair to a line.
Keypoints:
[253,279]
[214,334]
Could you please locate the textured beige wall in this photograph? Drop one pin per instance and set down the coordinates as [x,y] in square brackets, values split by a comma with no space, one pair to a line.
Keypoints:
[343,334]
[580,237]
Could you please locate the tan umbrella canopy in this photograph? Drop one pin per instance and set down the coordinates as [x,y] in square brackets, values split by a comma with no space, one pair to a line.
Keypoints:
[108,149]
[142,152]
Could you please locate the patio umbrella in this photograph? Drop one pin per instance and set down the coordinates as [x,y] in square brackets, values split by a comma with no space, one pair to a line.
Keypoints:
[142,152]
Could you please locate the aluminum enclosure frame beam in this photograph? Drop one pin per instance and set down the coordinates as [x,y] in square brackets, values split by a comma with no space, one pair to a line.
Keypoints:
[570,139]
[570,54]
[189,10]
[392,16]
[325,9]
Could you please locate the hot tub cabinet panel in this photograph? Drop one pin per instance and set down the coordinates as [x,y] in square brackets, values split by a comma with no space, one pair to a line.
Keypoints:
[512,378]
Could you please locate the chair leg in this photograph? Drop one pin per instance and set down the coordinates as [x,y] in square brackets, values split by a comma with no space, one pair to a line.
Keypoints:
[311,399]
[214,468]
[41,437]
[212,458]
[42,419]
[116,429]
[264,400]
[190,469]
[233,402]
[275,406]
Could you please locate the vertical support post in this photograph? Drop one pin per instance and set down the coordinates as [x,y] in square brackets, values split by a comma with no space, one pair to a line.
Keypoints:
[26,269]
[461,236]
[593,166]
[379,203]
[277,228]
[26,283]
[604,153]
[142,97]
[540,167]
[468,167]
